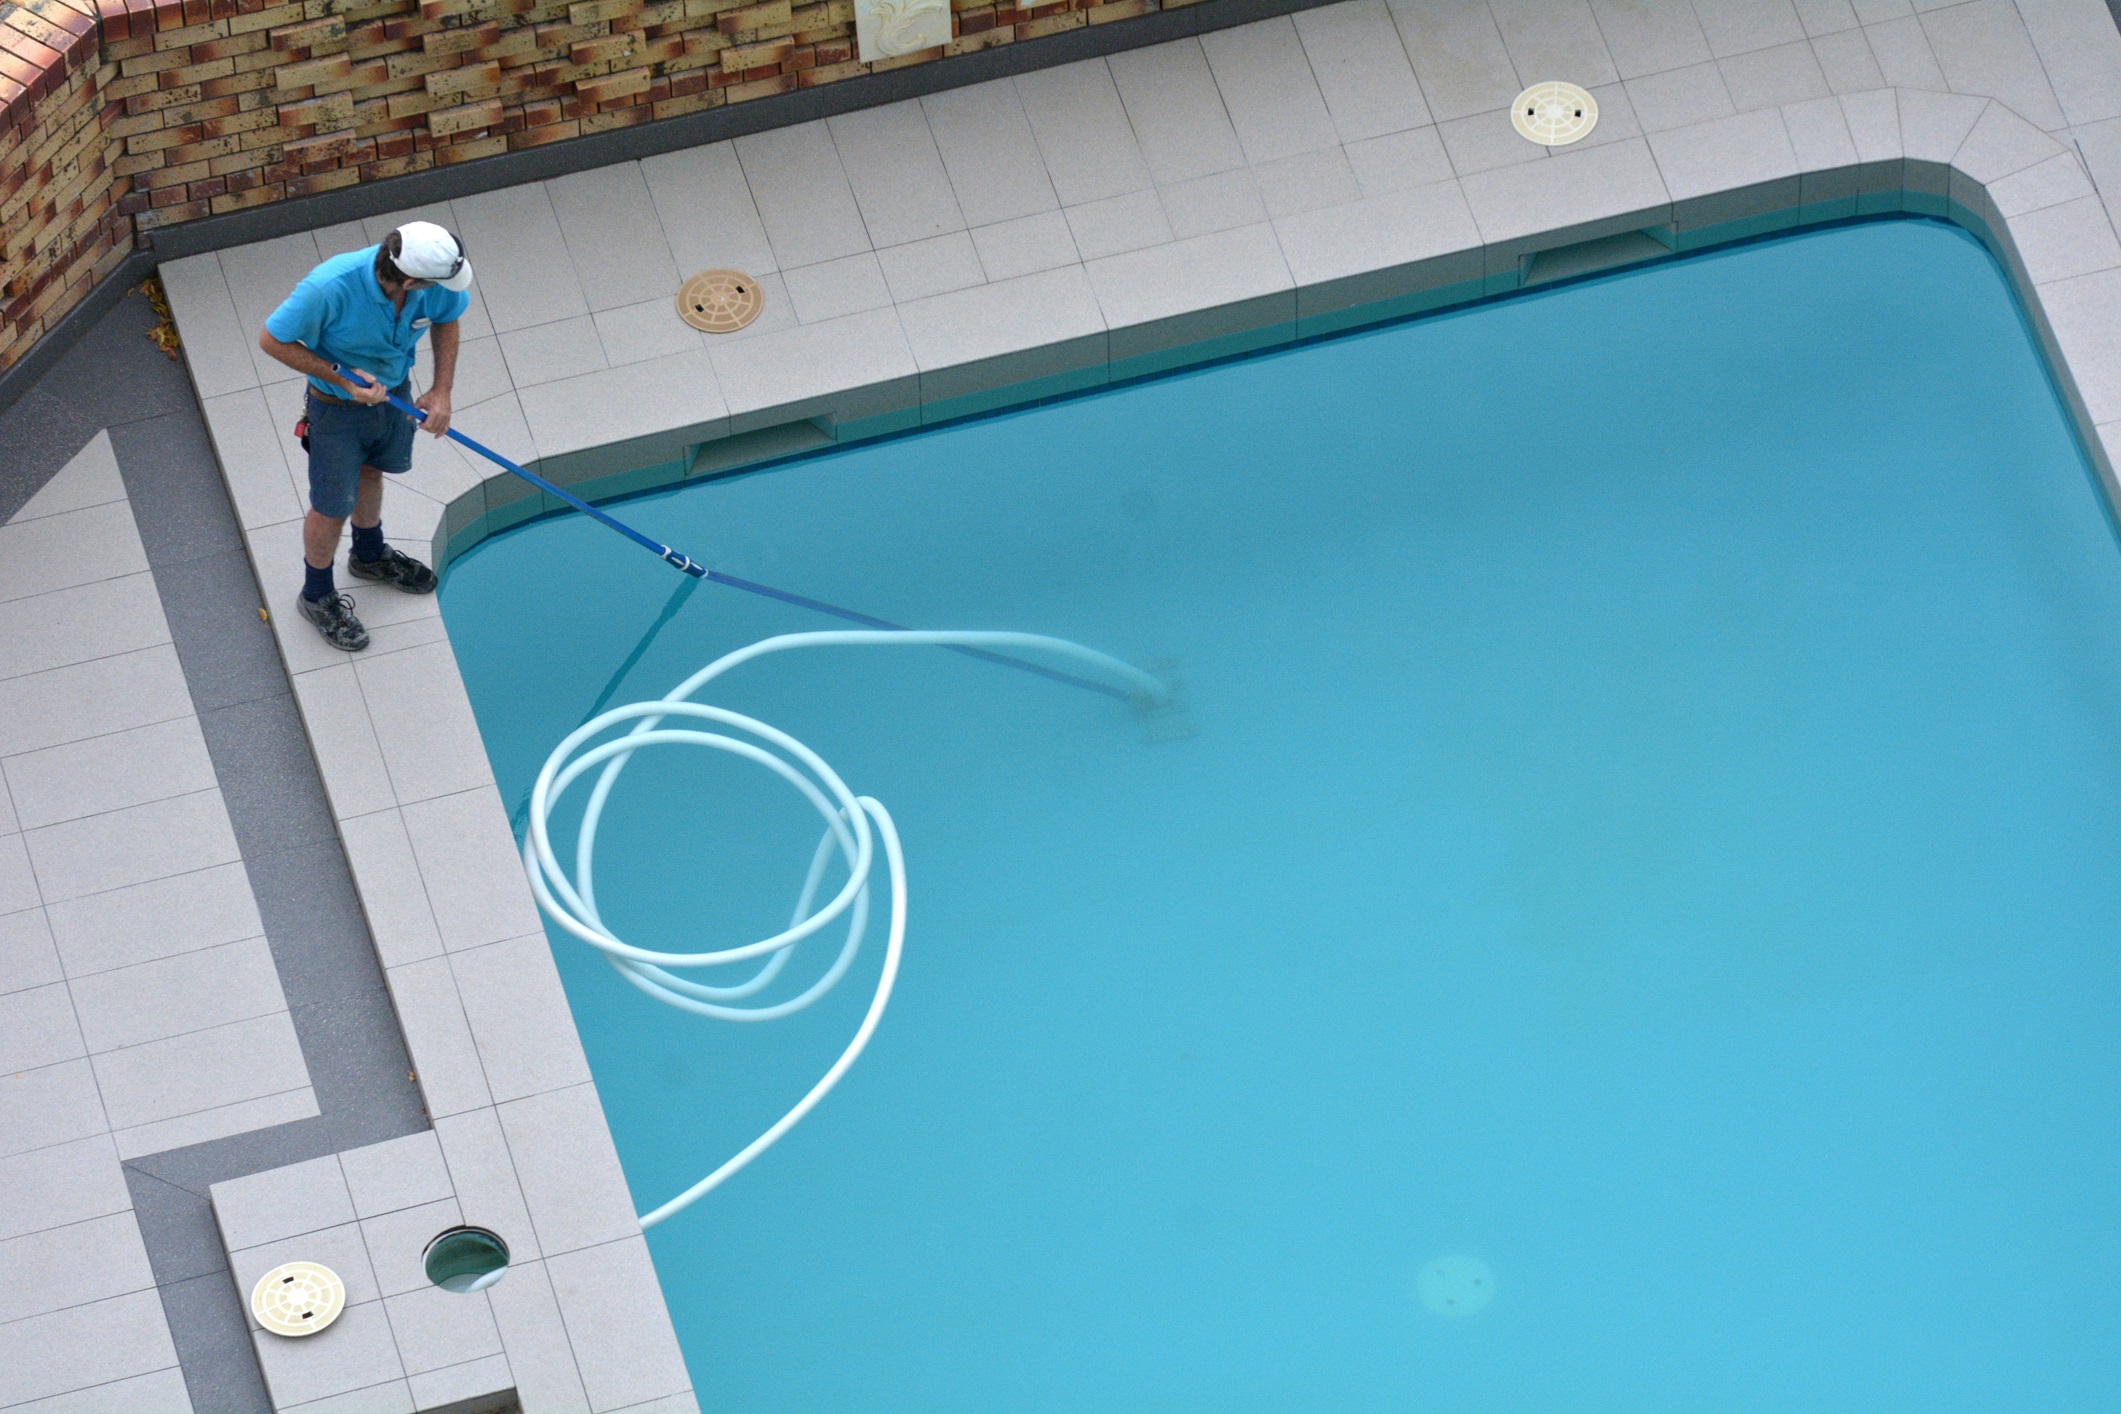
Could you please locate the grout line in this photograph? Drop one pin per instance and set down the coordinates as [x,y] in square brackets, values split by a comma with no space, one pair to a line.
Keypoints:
[303,1089]
[214,789]
[281,1010]
[7,604]
[188,716]
[99,1384]
[165,957]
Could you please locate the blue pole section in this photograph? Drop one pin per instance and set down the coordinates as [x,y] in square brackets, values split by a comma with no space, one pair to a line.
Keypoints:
[657,548]
[699,571]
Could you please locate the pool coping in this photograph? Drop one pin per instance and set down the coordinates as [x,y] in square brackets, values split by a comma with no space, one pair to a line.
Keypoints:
[520,1128]
[1965,159]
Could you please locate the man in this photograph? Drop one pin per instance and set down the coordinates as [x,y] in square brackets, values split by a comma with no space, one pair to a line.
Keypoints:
[365,311]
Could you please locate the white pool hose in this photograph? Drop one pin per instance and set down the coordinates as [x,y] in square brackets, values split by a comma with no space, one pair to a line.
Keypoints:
[848,818]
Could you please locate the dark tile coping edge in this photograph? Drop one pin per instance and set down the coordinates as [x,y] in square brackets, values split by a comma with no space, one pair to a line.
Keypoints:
[501,503]
[557,159]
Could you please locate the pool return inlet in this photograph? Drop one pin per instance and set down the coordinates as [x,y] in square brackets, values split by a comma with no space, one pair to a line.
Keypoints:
[856,827]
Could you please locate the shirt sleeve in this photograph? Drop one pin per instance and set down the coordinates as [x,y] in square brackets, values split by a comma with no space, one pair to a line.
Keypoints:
[300,317]
[449,309]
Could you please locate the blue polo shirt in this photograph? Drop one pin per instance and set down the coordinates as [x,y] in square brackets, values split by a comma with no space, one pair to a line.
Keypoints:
[340,313]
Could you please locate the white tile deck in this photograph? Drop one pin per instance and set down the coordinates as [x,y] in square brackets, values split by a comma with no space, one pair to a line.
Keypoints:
[929,259]
[139,1007]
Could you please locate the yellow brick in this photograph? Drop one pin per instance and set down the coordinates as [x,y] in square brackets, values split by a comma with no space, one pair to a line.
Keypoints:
[832,73]
[314,72]
[610,48]
[328,114]
[123,126]
[775,12]
[154,63]
[463,80]
[483,114]
[411,105]
[690,103]
[591,12]
[1052,24]
[265,19]
[132,87]
[611,86]
[208,150]
[255,120]
[242,200]
[985,39]
[760,88]
[417,62]
[740,57]
[191,34]
[471,151]
[201,73]
[319,37]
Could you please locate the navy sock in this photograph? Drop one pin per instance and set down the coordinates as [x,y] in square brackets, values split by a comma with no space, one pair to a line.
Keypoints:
[319,585]
[368,541]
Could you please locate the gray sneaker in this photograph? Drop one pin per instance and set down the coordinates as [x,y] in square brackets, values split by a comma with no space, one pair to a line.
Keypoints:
[395,567]
[334,617]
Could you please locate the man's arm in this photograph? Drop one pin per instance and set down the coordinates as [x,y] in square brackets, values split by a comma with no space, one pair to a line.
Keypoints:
[435,401]
[302,360]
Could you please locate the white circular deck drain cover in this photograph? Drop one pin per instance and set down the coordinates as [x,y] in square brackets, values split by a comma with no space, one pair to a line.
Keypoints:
[299,1298]
[1456,1286]
[1554,114]
[720,301]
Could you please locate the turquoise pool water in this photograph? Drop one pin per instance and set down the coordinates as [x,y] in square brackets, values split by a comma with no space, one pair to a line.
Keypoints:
[1649,869]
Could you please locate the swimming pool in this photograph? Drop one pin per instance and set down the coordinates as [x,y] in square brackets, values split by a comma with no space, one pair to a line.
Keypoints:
[1635,928]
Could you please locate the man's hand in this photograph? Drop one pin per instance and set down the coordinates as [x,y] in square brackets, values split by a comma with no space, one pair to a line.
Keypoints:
[364,389]
[435,403]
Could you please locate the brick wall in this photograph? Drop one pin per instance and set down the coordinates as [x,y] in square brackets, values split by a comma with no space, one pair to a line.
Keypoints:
[59,229]
[125,115]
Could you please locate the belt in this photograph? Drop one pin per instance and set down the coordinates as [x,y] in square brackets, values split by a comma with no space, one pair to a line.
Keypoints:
[322,396]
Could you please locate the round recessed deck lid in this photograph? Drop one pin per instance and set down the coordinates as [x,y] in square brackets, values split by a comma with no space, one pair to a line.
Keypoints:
[720,301]
[300,1298]
[1554,114]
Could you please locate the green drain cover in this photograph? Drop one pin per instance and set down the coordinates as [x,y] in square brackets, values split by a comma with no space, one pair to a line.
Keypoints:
[466,1259]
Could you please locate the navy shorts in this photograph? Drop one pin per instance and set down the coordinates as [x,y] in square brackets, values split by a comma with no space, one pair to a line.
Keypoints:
[343,438]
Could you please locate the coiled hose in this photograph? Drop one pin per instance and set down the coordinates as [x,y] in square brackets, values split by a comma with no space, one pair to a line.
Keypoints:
[853,827]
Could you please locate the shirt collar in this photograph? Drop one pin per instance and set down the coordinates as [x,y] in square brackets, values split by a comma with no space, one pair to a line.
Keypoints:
[372,284]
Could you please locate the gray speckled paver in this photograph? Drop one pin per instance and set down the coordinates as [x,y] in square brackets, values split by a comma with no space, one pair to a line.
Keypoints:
[1016,239]
[247,973]
[126,1031]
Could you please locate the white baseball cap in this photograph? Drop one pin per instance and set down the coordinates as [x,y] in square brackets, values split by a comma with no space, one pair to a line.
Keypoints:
[427,252]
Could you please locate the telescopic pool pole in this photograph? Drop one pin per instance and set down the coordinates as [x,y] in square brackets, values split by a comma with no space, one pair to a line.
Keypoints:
[661,551]
[688,565]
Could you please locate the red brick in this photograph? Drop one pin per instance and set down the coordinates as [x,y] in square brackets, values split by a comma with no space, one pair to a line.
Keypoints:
[117,24]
